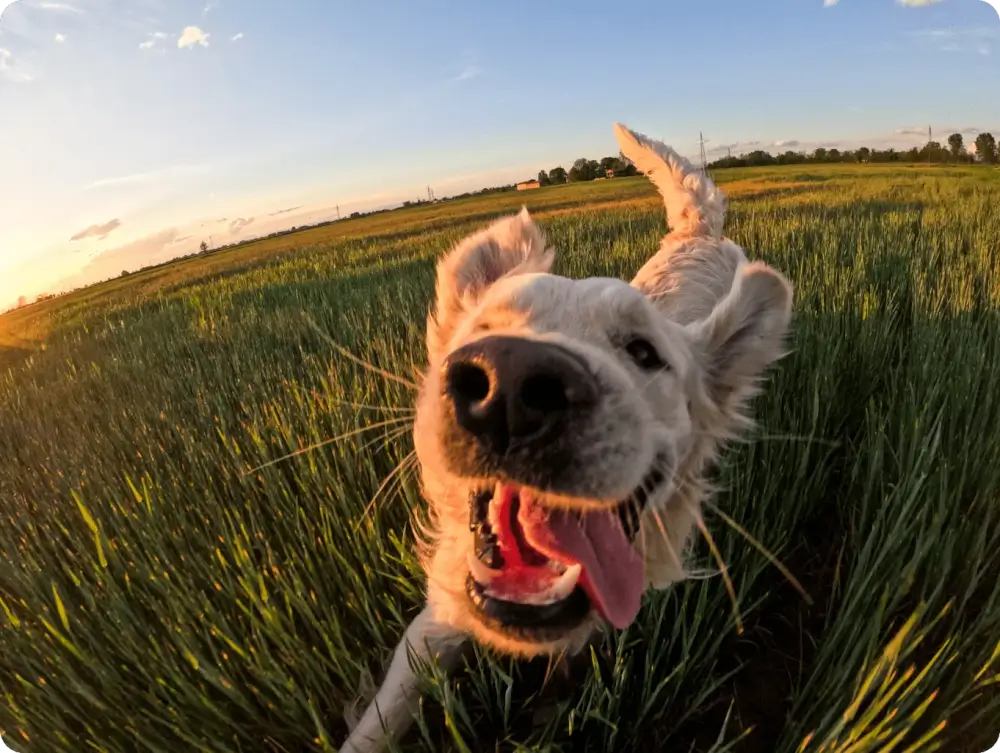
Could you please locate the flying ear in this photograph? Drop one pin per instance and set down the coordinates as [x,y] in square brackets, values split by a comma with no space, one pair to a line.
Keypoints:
[744,335]
[510,246]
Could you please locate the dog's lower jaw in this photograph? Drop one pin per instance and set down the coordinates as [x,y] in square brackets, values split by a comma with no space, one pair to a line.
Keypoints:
[391,713]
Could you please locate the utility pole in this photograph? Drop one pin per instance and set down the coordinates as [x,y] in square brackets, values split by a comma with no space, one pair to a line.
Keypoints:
[701,144]
[930,138]
[338,211]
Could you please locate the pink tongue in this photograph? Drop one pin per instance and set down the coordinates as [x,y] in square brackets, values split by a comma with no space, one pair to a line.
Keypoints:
[612,571]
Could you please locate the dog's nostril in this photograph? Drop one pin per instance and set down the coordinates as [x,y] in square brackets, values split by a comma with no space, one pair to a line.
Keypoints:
[545,394]
[469,381]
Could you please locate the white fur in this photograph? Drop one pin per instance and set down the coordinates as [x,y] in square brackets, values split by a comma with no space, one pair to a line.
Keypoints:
[719,322]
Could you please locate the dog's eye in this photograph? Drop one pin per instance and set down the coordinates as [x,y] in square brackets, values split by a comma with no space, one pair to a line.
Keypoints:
[645,355]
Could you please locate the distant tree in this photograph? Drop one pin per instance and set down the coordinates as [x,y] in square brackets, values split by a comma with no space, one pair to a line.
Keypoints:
[820,155]
[124,273]
[986,148]
[933,152]
[864,154]
[557,176]
[956,144]
[833,155]
[583,169]
[543,178]
[627,167]
[204,247]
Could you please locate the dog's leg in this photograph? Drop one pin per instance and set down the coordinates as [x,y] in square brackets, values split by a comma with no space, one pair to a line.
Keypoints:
[396,701]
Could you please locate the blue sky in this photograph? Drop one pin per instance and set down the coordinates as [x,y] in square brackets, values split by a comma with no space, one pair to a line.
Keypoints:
[139,138]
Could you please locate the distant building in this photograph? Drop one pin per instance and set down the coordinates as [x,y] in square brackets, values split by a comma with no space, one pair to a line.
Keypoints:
[527,184]
[610,173]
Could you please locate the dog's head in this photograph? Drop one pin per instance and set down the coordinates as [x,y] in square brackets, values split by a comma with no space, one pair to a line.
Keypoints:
[557,428]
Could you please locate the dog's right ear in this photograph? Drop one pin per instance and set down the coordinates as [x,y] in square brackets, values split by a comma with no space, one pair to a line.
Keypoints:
[510,246]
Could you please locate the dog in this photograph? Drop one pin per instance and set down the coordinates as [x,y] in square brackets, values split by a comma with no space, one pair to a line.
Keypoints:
[564,429]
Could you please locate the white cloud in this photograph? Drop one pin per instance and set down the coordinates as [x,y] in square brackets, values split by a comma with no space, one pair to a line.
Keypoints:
[984,50]
[830,3]
[238,225]
[786,143]
[192,36]
[60,37]
[917,3]
[209,7]
[9,69]
[237,37]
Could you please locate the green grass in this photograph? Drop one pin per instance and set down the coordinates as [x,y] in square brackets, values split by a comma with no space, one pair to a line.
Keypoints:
[154,598]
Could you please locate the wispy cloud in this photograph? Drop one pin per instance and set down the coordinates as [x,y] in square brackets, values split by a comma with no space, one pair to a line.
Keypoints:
[917,3]
[830,3]
[59,7]
[958,39]
[284,211]
[209,7]
[60,38]
[239,224]
[468,73]
[785,143]
[976,32]
[152,176]
[98,231]
[237,37]
[154,40]
[10,70]
[191,37]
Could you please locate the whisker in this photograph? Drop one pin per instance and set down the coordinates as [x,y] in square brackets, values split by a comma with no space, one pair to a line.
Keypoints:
[795,438]
[666,539]
[361,362]
[388,436]
[400,466]
[325,442]
[723,568]
[763,550]
[382,408]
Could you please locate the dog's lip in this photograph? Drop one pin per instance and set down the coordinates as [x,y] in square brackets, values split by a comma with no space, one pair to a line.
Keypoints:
[531,622]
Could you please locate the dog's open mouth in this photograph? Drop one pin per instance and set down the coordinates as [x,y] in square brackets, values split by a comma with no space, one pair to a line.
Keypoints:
[541,567]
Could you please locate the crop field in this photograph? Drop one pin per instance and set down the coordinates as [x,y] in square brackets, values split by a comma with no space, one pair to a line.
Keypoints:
[161,591]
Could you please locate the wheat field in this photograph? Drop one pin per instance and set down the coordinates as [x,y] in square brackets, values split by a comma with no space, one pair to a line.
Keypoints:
[160,591]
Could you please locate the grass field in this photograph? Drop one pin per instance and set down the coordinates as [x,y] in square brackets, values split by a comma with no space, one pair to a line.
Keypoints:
[154,596]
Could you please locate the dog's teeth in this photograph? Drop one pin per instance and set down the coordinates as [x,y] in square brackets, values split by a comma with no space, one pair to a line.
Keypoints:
[482,574]
[563,587]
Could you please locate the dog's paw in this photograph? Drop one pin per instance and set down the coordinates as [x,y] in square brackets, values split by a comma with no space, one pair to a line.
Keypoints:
[366,693]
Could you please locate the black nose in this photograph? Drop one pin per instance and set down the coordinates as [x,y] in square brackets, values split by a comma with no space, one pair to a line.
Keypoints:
[508,391]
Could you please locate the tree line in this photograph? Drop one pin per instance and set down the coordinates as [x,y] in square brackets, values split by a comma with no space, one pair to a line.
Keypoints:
[587,169]
[954,152]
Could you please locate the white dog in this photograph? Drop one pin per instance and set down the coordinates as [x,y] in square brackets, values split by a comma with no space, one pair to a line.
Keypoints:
[564,428]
